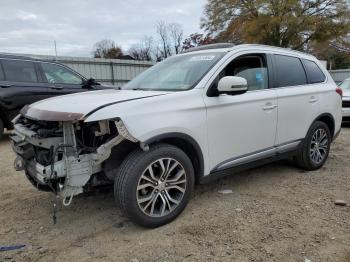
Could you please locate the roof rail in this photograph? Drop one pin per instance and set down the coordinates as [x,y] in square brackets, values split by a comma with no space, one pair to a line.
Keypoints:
[16,56]
[210,46]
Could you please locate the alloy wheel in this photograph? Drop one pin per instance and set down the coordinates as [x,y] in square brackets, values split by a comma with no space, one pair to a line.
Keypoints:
[319,146]
[161,187]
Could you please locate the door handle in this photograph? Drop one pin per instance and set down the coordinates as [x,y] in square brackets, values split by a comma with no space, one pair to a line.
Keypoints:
[313,99]
[269,106]
[5,85]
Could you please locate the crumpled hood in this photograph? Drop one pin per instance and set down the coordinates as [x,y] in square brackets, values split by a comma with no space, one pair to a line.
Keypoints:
[77,106]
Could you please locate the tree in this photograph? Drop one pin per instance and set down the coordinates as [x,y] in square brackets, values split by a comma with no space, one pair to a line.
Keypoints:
[285,23]
[162,31]
[170,39]
[143,50]
[176,35]
[107,49]
[195,40]
[336,54]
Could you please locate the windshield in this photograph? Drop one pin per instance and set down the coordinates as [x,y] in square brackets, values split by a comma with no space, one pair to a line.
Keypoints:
[176,73]
[345,84]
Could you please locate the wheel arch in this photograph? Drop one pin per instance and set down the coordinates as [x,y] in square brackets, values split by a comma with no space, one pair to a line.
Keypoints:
[187,144]
[328,119]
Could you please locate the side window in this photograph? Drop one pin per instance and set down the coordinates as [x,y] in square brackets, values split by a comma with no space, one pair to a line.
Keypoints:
[19,71]
[314,73]
[289,71]
[251,67]
[57,74]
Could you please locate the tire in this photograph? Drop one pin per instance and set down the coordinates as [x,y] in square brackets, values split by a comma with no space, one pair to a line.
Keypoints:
[314,150]
[134,184]
[1,128]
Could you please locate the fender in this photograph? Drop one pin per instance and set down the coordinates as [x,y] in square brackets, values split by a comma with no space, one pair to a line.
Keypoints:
[184,137]
[331,124]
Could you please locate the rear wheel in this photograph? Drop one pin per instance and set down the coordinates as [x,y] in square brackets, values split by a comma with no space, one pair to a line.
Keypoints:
[1,128]
[315,148]
[154,187]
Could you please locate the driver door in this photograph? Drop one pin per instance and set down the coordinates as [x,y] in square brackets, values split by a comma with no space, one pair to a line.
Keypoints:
[61,80]
[242,128]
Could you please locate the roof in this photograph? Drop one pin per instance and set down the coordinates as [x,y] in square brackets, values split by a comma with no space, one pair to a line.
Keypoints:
[12,56]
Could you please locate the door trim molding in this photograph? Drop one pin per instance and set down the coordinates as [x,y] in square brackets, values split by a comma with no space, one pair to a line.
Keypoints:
[257,155]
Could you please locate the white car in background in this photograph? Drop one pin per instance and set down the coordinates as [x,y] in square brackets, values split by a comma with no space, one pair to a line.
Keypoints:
[345,86]
[190,119]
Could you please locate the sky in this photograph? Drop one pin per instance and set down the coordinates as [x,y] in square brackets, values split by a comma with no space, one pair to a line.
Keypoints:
[32,26]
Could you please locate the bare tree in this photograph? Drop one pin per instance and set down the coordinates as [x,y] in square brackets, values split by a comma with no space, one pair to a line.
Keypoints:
[157,52]
[176,36]
[162,31]
[143,50]
[107,49]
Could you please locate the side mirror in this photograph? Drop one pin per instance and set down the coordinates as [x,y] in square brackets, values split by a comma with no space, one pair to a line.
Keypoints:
[232,85]
[89,83]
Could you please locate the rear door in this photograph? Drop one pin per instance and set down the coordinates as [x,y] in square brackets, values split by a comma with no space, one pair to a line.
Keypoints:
[61,80]
[298,101]
[21,85]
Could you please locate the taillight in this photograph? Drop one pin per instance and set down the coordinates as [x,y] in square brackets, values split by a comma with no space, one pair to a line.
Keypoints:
[339,91]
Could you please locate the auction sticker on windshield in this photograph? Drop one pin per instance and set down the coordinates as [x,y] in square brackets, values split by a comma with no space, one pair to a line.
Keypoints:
[203,58]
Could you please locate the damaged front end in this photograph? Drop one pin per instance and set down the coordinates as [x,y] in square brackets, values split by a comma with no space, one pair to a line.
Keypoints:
[67,157]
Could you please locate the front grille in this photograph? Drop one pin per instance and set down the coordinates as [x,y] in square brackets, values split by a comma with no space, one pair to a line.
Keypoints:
[346,103]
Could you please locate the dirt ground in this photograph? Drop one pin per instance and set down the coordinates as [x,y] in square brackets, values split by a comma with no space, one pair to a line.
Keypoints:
[275,213]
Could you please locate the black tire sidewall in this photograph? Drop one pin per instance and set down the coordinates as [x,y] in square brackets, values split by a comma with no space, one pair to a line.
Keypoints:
[134,172]
[1,128]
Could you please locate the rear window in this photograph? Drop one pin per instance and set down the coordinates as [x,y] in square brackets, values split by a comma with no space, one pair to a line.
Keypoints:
[289,71]
[19,71]
[314,73]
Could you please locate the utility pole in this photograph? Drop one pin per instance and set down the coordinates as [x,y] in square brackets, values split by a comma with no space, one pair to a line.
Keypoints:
[55,48]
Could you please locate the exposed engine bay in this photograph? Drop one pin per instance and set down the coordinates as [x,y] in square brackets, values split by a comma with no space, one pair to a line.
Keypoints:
[68,157]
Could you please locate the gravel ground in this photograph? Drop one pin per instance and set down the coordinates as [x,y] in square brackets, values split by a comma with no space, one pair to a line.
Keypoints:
[274,213]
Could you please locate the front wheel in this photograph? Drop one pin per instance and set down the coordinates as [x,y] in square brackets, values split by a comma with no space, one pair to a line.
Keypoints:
[315,148]
[154,187]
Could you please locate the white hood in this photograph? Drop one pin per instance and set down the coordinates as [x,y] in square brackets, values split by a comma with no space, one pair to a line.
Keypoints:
[76,106]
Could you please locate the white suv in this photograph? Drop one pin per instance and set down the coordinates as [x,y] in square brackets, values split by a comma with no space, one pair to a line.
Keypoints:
[192,118]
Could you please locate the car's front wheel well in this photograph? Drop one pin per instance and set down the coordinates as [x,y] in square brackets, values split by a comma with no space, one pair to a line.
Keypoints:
[190,148]
[118,154]
[188,145]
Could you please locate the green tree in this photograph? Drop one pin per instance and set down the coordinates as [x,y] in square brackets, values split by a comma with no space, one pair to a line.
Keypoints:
[195,40]
[285,23]
[335,53]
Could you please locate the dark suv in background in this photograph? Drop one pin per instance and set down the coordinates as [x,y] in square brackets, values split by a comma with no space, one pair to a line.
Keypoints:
[25,80]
